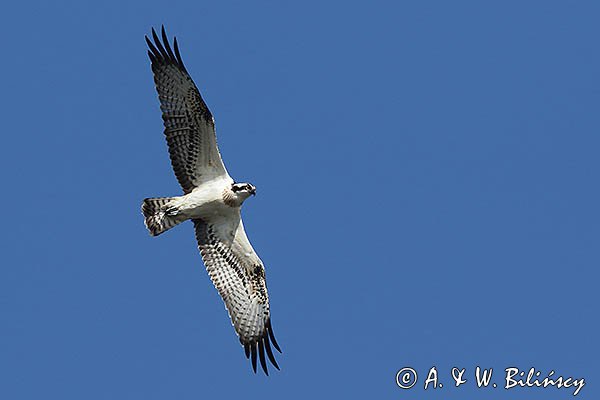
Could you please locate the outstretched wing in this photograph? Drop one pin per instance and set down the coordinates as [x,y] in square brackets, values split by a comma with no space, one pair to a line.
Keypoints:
[239,276]
[189,125]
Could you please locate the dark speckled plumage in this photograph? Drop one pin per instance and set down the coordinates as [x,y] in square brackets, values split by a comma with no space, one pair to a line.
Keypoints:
[244,291]
[189,125]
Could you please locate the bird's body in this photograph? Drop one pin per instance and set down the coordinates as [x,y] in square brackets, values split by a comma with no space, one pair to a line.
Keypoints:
[205,201]
[211,200]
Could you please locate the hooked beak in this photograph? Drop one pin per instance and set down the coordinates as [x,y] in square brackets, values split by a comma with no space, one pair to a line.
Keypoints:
[253,192]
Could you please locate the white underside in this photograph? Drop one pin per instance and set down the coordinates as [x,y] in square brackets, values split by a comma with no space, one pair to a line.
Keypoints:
[205,201]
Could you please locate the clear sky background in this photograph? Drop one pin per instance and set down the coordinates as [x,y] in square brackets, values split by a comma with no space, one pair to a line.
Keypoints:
[428,195]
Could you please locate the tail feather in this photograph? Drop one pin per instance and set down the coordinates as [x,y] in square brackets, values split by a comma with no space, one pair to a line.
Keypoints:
[156,217]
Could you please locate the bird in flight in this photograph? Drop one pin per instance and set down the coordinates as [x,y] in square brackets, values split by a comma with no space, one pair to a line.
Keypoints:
[212,200]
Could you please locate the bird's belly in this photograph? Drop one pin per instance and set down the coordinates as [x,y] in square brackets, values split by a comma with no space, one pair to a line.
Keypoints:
[198,205]
[206,210]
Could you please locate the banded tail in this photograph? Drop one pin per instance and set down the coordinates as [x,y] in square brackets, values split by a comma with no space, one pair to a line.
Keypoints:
[158,216]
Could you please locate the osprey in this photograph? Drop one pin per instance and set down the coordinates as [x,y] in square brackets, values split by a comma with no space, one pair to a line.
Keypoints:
[211,200]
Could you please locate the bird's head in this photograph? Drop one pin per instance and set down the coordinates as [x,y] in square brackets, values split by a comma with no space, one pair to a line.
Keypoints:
[243,190]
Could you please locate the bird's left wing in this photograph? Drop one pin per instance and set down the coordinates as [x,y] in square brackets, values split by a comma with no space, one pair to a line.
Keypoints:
[239,275]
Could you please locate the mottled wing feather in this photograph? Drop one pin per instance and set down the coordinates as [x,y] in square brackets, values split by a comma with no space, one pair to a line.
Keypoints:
[239,276]
[189,125]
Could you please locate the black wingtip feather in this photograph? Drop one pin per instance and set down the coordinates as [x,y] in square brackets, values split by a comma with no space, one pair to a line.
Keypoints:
[261,355]
[253,353]
[257,349]
[270,329]
[153,50]
[167,45]
[162,52]
[158,44]
[270,352]
[177,55]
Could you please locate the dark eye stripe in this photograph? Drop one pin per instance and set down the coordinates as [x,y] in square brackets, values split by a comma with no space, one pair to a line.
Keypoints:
[237,187]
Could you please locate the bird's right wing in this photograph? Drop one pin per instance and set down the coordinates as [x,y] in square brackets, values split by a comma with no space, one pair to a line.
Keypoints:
[189,125]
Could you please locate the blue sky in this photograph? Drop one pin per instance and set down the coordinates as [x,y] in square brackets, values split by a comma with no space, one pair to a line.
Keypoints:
[428,195]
